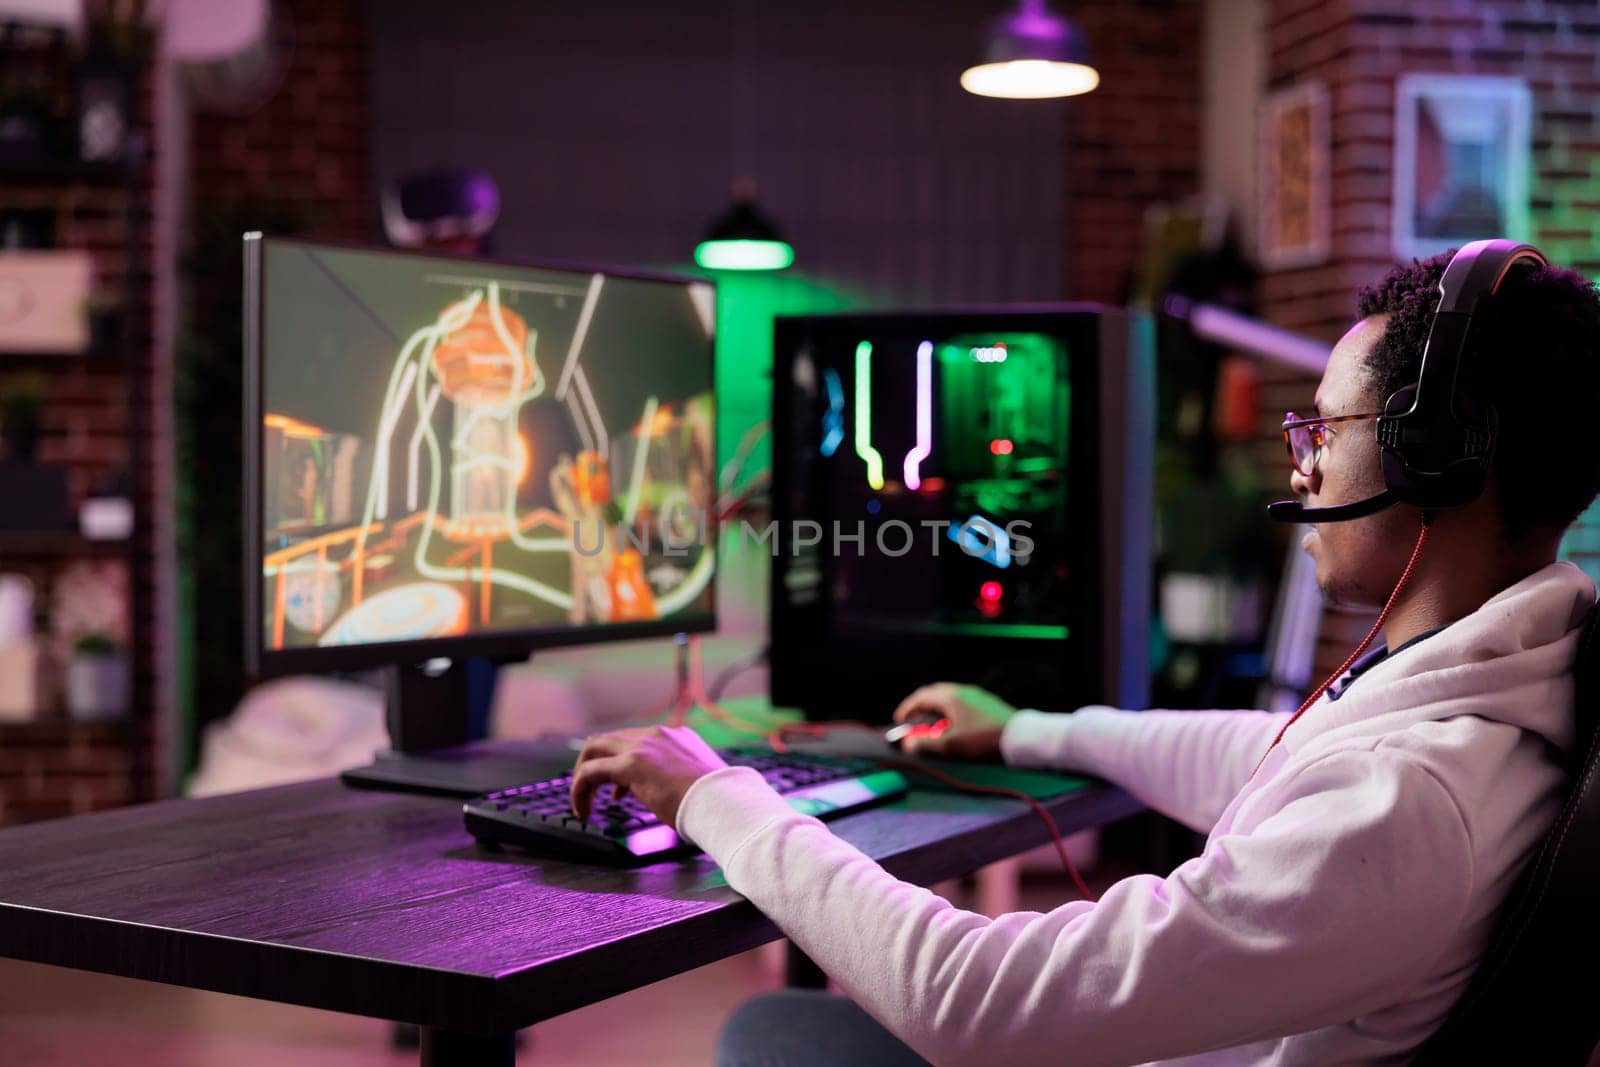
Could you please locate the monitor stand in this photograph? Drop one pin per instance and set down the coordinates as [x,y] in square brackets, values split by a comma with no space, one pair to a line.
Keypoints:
[430,749]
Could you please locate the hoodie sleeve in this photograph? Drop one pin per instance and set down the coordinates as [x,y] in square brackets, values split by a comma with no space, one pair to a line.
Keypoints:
[1185,764]
[1334,905]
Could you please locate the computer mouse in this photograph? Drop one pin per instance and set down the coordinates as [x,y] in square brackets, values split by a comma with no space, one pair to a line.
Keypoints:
[923,724]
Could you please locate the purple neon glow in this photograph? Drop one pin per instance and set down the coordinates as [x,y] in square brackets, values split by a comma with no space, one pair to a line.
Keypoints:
[1252,335]
[924,447]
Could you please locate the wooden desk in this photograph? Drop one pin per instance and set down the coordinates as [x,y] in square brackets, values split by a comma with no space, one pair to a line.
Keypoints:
[380,904]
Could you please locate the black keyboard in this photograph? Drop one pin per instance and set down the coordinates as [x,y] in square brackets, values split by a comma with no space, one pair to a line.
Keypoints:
[538,816]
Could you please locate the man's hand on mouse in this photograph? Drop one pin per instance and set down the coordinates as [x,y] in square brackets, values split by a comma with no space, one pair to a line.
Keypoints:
[657,764]
[974,719]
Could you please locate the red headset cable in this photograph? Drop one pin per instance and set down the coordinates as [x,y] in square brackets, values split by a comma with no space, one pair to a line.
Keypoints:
[1383,617]
[778,739]
[1013,794]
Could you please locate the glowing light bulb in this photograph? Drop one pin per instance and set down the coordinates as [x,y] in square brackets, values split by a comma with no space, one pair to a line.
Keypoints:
[1029,79]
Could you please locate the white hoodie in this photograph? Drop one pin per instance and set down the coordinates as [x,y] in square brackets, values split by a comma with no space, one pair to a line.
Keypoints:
[1342,900]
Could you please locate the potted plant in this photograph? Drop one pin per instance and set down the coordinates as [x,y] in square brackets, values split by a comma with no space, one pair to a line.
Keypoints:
[97,678]
[89,621]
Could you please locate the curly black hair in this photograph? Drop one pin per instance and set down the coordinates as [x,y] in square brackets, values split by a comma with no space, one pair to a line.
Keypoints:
[1535,351]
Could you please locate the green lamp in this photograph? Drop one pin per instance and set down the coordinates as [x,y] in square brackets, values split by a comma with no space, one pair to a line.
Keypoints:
[744,238]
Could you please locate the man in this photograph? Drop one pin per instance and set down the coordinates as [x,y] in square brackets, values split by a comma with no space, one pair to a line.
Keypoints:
[1353,868]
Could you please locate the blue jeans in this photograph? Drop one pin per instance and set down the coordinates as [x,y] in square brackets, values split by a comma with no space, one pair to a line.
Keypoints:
[805,1027]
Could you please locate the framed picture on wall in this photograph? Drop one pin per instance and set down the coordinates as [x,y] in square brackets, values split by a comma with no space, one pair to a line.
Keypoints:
[1294,197]
[1462,147]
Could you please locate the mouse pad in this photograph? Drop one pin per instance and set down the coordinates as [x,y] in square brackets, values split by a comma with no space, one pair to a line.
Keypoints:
[1040,785]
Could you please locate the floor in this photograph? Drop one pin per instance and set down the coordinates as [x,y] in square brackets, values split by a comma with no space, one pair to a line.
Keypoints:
[53,1016]
[49,1016]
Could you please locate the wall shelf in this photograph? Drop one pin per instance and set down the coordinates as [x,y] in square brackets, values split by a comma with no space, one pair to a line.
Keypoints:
[55,729]
[111,358]
[43,544]
[59,171]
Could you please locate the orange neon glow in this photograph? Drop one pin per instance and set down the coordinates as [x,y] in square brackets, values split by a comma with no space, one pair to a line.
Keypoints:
[483,548]
[291,426]
[473,363]
[483,588]
[524,458]
[591,479]
[328,540]
[631,598]
[320,545]
[662,422]
[277,612]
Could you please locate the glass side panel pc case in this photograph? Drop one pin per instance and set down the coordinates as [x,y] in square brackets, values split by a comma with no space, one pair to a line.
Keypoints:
[448,456]
[961,496]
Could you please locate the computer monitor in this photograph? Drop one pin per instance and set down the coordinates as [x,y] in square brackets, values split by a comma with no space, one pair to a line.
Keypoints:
[962,496]
[449,457]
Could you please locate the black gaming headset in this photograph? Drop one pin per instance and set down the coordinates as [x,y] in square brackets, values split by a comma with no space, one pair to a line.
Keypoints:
[1436,437]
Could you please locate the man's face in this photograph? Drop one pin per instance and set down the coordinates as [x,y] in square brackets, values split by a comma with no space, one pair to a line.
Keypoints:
[1359,561]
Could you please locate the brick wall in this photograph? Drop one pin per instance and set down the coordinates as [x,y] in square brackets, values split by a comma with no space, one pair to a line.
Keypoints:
[1359,49]
[297,161]
[86,428]
[309,141]
[1134,141]
[56,768]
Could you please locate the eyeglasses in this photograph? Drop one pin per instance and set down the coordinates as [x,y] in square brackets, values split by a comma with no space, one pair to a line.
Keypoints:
[1307,438]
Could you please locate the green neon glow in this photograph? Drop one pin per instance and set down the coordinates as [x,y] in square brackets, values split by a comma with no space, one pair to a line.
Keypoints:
[1026,630]
[744,255]
[864,447]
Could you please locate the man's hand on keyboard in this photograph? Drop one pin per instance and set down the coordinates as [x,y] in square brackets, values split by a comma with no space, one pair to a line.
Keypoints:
[657,764]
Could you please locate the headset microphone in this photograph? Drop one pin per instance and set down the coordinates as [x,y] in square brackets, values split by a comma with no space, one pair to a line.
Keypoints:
[1294,511]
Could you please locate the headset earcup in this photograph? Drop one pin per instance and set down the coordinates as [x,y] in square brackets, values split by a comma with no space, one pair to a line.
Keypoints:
[1412,468]
[1397,474]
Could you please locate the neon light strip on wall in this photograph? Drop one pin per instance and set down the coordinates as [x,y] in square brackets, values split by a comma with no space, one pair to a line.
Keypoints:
[864,449]
[924,447]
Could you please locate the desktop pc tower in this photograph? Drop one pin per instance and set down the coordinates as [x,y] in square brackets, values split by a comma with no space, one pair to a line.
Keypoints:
[961,496]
